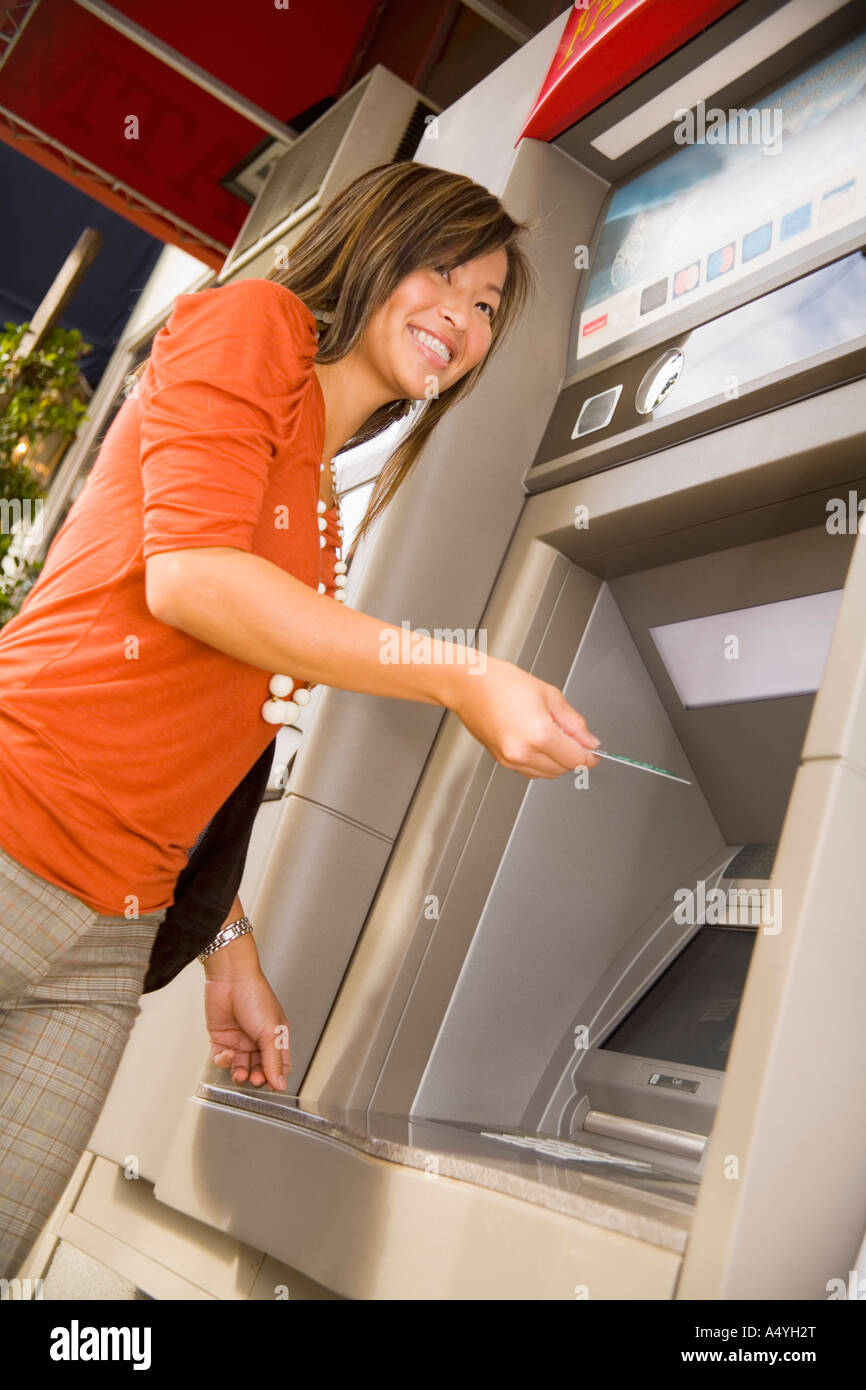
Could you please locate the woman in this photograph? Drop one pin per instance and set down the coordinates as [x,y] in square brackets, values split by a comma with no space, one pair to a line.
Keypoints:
[142,680]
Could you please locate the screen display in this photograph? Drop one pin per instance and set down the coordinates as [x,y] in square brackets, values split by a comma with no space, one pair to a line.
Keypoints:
[688,1015]
[748,187]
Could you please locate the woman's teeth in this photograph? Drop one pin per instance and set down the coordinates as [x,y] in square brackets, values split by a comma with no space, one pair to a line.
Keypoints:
[432,343]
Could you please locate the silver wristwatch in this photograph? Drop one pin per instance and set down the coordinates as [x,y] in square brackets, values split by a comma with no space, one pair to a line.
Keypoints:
[227,934]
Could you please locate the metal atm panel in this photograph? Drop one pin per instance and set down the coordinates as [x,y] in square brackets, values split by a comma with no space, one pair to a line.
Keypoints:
[456,1009]
[406,1080]
[509,914]
[564,902]
[566,909]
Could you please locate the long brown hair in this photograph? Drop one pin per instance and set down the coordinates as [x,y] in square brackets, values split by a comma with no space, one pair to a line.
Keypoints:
[387,223]
[390,221]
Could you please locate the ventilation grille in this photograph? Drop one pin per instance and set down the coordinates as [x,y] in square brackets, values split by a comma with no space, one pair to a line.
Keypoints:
[414,132]
[298,174]
[380,121]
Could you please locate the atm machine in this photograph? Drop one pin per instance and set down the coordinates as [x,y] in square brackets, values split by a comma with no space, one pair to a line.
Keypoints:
[601,1036]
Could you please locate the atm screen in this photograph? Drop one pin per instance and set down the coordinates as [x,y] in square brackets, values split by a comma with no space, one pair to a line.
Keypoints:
[746,188]
[689,1014]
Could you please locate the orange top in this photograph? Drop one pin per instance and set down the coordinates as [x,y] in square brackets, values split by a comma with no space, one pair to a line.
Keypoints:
[121,737]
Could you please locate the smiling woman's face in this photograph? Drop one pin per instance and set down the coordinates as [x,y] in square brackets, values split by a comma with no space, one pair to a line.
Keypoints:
[437,324]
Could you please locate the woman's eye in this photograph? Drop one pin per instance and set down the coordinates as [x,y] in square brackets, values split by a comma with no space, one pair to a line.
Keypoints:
[441,270]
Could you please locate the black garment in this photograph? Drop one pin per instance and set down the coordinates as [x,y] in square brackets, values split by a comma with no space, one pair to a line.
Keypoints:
[206,888]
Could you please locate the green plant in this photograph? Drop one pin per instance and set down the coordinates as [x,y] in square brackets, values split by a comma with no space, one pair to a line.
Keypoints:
[37,400]
[15,588]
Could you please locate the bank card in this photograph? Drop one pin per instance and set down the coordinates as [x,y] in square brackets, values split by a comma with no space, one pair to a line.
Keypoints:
[645,767]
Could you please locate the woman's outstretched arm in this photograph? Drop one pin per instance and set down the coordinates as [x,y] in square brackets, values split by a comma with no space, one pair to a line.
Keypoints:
[251,609]
[244,605]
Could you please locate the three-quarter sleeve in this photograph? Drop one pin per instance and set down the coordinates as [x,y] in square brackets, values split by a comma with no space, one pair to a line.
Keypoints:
[223,391]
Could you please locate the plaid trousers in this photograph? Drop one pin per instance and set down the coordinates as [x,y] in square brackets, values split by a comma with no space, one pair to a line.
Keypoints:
[70,981]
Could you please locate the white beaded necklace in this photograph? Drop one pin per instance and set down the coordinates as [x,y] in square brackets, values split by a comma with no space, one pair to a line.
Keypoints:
[280,709]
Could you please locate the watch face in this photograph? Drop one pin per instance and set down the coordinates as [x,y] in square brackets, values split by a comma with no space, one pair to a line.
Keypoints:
[659,381]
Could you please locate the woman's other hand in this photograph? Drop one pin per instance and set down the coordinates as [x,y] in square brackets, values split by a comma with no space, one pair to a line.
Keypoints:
[247,1027]
[527,724]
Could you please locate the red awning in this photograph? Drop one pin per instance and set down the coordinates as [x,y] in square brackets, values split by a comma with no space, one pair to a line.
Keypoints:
[97,109]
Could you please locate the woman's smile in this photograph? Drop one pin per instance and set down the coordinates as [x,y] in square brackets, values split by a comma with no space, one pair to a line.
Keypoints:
[436,349]
[461,302]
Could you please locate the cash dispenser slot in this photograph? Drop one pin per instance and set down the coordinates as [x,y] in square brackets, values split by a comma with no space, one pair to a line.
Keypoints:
[676,1036]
